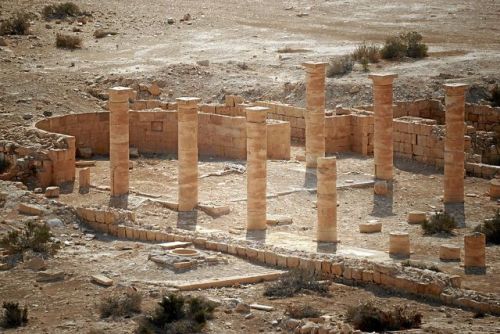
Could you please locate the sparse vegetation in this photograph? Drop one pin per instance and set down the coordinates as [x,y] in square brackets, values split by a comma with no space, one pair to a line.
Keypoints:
[178,315]
[369,318]
[13,316]
[440,222]
[34,236]
[491,229]
[294,282]
[404,45]
[60,11]
[420,265]
[369,53]
[301,311]
[288,49]
[339,66]
[120,304]
[495,96]
[19,24]
[68,41]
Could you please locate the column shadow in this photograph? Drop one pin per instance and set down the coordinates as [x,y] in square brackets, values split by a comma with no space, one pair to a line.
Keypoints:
[383,205]
[258,235]
[120,202]
[187,220]
[457,211]
[326,247]
[311,179]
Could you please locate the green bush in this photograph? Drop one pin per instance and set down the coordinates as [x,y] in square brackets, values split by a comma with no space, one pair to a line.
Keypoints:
[61,11]
[491,229]
[370,53]
[34,236]
[120,304]
[68,41]
[19,24]
[178,315]
[369,318]
[404,45]
[13,316]
[294,282]
[440,222]
[339,66]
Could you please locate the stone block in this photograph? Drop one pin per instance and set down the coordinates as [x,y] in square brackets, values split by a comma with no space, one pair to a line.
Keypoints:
[448,252]
[292,262]
[30,209]
[52,192]
[337,269]
[281,260]
[270,258]
[373,226]
[367,276]
[416,217]
[102,280]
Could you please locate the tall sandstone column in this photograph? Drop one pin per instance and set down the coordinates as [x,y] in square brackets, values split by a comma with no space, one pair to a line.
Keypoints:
[187,113]
[119,140]
[256,167]
[327,200]
[315,114]
[454,156]
[382,137]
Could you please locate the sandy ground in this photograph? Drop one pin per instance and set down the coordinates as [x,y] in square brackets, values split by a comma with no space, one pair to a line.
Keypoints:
[35,77]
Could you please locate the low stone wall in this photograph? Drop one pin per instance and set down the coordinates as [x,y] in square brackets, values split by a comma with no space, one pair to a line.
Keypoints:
[155,131]
[423,283]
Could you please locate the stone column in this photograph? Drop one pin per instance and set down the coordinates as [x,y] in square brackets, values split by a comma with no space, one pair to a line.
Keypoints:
[454,156]
[383,115]
[327,200]
[119,140]
[475,251]
[84,180]
[399,244]
[315,114]
[256,167]
[187,113]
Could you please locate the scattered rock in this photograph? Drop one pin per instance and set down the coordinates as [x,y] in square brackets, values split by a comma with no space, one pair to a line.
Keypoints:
[102,280]
[50,276]
[35,263]
[55,222]
[242,308]
[170,20]
[30,209]
[214,210]
[3,42]
[302,14]
[47,113]
[278,220]
[262,307]
[52,192]
[27,116]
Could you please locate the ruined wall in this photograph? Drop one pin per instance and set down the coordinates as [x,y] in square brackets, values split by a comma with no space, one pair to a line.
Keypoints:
[155,131]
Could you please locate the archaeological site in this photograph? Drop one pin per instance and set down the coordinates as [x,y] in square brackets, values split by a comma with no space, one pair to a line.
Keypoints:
[188,166]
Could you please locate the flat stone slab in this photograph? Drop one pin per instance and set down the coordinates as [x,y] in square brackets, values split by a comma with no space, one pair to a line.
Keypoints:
[50,276]
[262,307]
[370,227]
[278,220]
[102,280]
[230,281]
[175,244]
[30,209]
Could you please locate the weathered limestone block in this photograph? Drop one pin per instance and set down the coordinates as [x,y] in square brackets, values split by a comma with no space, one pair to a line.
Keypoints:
[292,262]
[52,192]
[495,189]
[399,244]
[373,226]
[474,250]
[416,217]
[84,180]
[30,209]
[449,252]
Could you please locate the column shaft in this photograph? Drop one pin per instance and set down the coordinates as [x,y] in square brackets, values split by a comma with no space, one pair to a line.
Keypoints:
[187,113]
[119,140]
[256,167]
[315,114]
[383,133]
[454,156]
[327,200]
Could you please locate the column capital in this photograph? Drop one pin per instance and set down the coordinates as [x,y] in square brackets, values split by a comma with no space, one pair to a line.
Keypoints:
[382,79]
[187,101]
[256,114]
[455,88]
[314,65]
[119,94]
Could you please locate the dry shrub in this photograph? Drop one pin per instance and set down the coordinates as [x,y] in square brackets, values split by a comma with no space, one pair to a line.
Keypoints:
[420,265]
[301,311]
[440,222]
[61,11]
[404,45]
[13,316]
[339,66]
[294,282]
[289,49]
[19,24]
[68,41]
[370,318]
[34,236]
[178,315]
[491,229]
[120,304]
[370,53]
